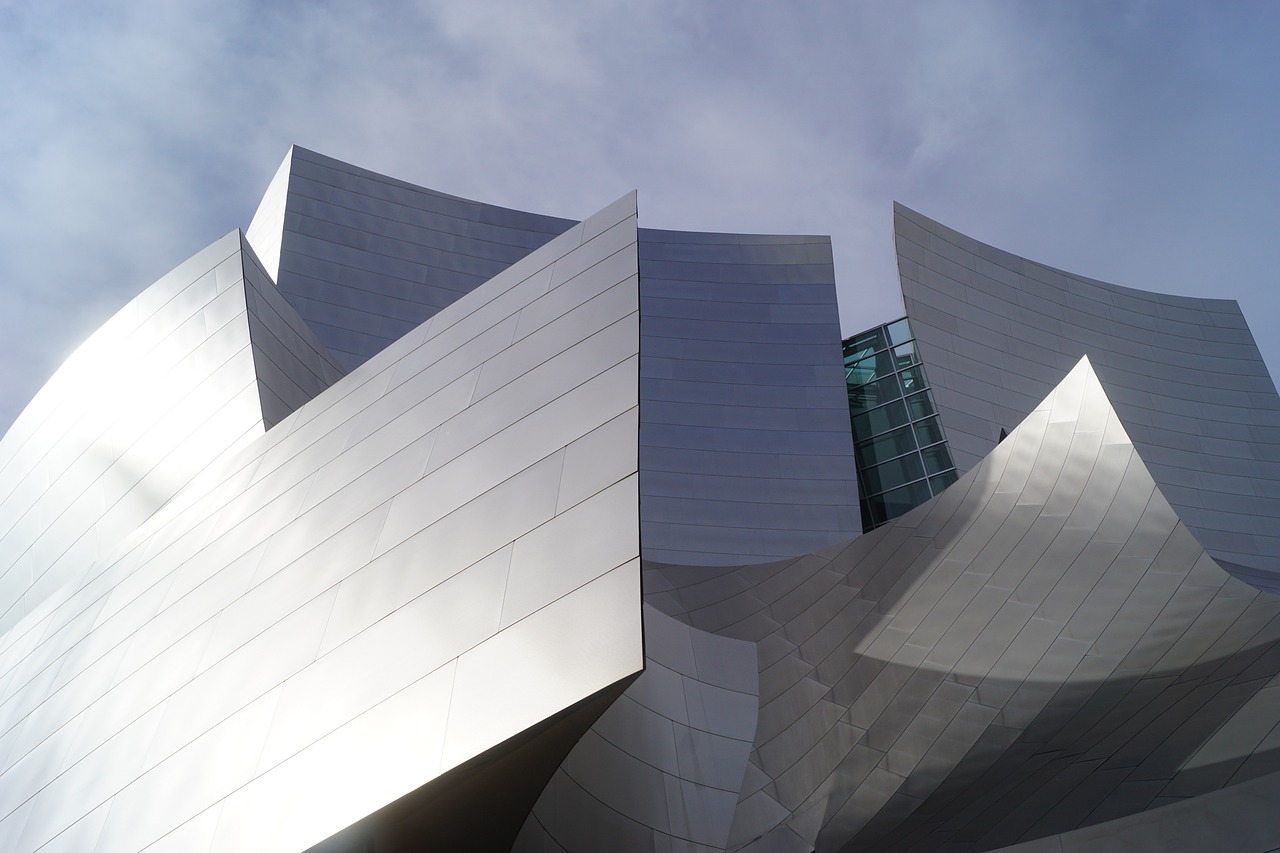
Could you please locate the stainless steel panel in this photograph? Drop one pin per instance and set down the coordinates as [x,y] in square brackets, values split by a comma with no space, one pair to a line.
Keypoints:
[221,676]
[1176,365]
[1011,640]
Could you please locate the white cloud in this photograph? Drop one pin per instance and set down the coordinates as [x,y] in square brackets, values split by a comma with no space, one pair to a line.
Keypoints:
[1132,143]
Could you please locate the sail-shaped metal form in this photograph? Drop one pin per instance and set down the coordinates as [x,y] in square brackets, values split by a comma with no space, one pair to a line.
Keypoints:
[997,332]
[424,581]
[410,522]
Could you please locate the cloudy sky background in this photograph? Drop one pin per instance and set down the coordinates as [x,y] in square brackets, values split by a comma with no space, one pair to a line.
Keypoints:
[1132,142]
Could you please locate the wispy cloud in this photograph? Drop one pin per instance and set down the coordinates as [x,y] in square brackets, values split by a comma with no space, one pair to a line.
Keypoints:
[1131,142]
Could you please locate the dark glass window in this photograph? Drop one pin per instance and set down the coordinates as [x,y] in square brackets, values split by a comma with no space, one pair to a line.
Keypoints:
[937,459]
[912,379]
[871,341]
[864,397]
[885,447]
[889,416]
[928,431]
[894,473]
[895,503]
[920,405]
[901,451]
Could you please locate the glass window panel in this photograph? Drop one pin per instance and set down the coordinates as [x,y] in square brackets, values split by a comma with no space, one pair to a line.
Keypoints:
[860,373]
[879,420]
[920,405]
[869,369]
[941,481]
[894,473]
[903,499]
[913,379]
[899,332]
[851,356]
[877,365]
[869,341]
[869,519]
[937,459]
[874,394]
[886,447]
[905,355]
[928,431]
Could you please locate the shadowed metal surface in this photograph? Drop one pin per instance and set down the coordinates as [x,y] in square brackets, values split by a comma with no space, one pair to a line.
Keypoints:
[745,449]
[1242,818]
[341,611]
[662,768]
[364,258]
[1042,647]
[997,332]
[744,439]
[383,613]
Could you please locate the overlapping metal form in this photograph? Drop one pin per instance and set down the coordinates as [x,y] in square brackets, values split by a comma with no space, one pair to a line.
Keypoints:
[427,575]
[252,603]
[744,435]
[998,331]
[1040,648]
[197,366]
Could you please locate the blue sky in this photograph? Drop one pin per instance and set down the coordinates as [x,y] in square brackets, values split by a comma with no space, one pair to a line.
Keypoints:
[1138,143]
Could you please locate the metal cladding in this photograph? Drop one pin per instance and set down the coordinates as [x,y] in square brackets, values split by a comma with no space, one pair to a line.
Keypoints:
[364,258]
[745,448]
[339,613]
[662,768]
[197,366]
[355,562]
[998,331]
[1042,647]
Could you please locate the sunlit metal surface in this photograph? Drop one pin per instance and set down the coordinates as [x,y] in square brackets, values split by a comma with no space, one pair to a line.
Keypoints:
[997,332]
[744,437]
[433,558]
[195,367]
[253,604]
[663,767]
[1042,647]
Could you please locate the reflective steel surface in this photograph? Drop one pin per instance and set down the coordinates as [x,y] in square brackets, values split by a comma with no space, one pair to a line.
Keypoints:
[354,563]
[1043,647]
[998,331]
[338,611]
[744,435]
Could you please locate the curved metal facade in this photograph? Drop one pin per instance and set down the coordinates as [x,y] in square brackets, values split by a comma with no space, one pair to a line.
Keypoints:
[663,767]
[1042,647]
[997,332]
[365,258]
[335,616]
[744,437]
[198,365]
[251,602]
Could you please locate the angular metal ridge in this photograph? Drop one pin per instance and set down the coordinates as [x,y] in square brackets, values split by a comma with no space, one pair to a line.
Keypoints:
[745,448]
[425,579]
[998,332]
[196,366]
[1043,647]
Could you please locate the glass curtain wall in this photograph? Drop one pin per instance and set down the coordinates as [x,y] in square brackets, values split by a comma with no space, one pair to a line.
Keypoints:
[901,451]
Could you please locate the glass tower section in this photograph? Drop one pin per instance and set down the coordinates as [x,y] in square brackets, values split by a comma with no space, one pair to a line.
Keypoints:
[901,451]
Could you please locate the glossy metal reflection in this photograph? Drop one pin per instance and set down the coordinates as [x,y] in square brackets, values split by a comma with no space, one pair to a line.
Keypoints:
[337,611]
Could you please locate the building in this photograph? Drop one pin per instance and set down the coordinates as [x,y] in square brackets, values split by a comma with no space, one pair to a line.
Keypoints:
[402,522]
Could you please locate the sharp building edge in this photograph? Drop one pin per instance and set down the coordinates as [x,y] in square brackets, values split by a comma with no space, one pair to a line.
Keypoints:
[998,331]
[404,521]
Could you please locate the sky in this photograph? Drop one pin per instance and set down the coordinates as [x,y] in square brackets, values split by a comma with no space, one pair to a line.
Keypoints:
[1133,142]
